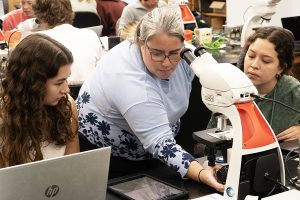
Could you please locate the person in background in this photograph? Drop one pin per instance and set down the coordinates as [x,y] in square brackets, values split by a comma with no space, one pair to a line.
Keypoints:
[109,11]
[38,119]
[15,17]
[267,59]
[135,105]
[56,17]
[128,31]
[129,1]
[84,6]
[134,12]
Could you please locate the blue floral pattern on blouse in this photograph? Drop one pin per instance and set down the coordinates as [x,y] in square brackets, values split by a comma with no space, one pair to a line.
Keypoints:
[127,145]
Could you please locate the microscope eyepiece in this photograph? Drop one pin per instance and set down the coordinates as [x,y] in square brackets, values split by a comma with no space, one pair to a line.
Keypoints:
[187,55]
[199,51]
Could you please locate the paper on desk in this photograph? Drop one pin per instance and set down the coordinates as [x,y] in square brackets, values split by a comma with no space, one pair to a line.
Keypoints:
[291,195]
[250,197]
[214,196]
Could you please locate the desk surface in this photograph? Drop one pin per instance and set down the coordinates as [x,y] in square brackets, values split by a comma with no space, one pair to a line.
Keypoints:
[194,189]
[226,55]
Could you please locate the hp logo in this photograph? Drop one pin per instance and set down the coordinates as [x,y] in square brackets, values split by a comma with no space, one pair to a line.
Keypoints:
[51,191]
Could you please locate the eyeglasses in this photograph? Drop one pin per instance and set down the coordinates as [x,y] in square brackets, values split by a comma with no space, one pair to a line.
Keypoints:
[160,57]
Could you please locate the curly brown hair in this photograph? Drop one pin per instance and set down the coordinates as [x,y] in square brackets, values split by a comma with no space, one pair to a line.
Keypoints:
[283,41]
[53,12]
[26,120]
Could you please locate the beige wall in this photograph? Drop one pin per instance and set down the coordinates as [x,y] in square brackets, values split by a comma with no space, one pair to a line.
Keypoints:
[12,3]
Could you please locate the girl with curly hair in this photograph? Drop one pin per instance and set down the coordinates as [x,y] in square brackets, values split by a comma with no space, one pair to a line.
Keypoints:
[38,119]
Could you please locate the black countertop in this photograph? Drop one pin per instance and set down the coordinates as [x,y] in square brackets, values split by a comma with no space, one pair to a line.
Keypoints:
[194,188]
[229,54]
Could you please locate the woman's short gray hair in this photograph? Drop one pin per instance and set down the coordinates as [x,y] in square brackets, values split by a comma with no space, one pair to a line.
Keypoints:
[163,20]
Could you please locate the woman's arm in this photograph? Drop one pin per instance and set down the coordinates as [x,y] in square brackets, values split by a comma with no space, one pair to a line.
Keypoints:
[73,144]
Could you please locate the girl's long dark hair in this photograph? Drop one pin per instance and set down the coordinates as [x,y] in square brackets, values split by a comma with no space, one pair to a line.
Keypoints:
[26,121]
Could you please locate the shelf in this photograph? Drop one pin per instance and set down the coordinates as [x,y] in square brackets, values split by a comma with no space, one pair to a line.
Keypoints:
[217,20]
[222,15]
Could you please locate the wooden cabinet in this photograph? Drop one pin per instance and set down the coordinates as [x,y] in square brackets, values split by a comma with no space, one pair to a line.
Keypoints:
[217,18]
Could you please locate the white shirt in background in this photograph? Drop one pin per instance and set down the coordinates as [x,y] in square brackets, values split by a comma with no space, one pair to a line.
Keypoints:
[85,47]
[84,6]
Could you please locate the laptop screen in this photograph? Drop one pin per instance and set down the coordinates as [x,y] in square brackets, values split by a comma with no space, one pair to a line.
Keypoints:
[78,176]
[292,24]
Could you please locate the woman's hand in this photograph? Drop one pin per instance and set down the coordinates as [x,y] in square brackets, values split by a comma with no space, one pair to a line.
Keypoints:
[292,133]
[208,176]
[205,175]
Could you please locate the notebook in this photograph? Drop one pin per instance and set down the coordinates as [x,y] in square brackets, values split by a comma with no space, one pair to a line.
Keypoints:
[292,24]
[78,176]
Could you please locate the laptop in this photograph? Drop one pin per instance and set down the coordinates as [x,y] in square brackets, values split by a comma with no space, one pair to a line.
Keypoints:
[292,24]
[290,146]
[78,176]
[96,29]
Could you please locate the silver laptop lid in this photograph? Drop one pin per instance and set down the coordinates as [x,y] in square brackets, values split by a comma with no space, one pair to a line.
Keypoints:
[292,24]
[290,145]
[96,29]
[78,176]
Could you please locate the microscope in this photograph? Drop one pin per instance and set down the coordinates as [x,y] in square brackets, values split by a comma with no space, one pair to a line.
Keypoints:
[256,161]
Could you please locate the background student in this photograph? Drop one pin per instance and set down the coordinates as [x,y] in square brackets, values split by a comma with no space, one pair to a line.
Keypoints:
[56,16]
[110,11]
[132,13]
[15,17]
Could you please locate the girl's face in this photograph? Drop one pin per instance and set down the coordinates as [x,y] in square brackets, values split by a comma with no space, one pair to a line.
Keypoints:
[57,87]
[27,7]
[161,55]
[261,65]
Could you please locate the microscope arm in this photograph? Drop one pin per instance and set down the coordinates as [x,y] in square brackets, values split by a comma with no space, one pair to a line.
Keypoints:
[262,10]
[223,84]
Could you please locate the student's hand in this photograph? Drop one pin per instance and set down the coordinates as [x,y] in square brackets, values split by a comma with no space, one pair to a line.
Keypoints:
[208,176]
[292,133]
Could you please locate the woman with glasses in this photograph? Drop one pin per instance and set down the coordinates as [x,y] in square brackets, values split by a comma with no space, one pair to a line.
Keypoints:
[135,98]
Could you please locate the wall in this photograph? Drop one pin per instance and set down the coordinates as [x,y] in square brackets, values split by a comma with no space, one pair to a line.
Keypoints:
[12,3]
[237,8]
[1,8]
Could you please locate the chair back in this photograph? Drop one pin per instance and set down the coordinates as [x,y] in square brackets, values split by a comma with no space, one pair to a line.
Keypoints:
[86,19]
[5,6]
